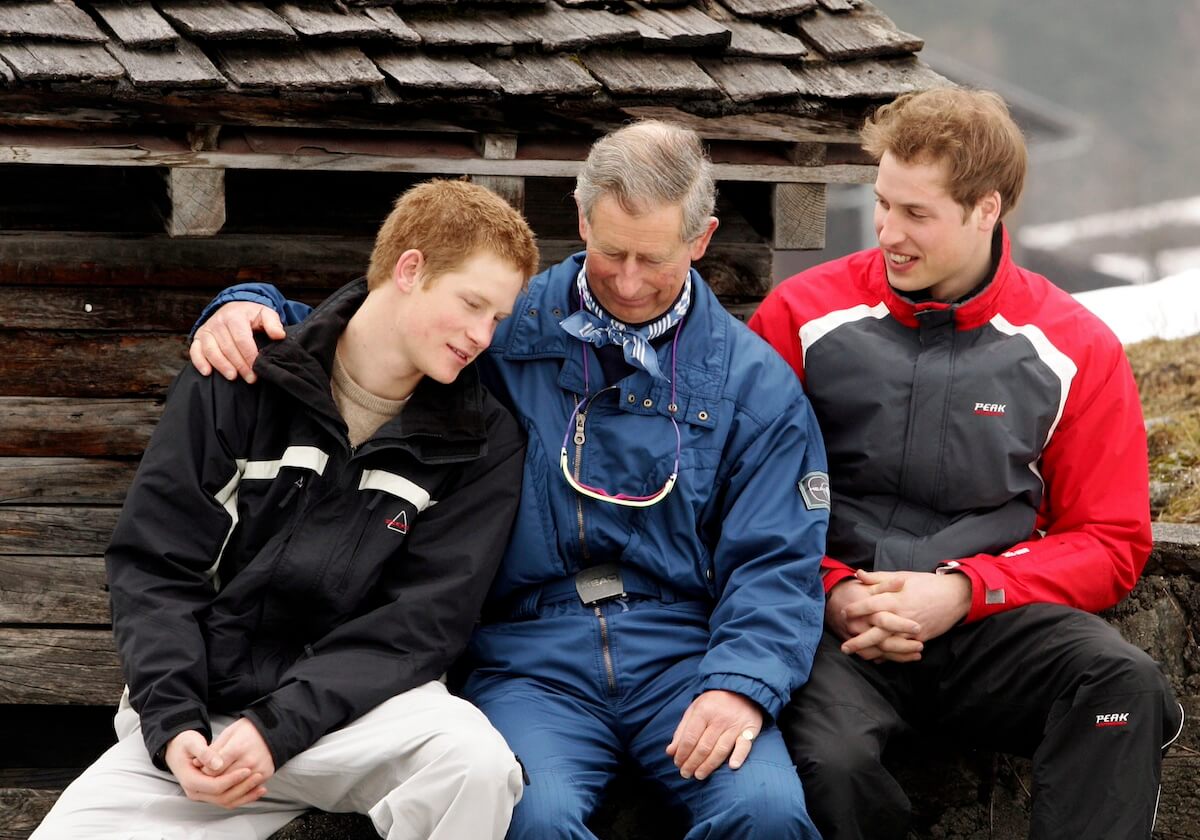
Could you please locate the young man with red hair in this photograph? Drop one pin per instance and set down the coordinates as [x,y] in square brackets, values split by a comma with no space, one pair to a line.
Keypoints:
[300,559]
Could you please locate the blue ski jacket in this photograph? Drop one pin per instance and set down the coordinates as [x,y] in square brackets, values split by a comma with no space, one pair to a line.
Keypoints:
[744,528]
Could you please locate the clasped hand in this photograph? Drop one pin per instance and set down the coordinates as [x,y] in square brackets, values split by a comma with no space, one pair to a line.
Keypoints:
[888,616]
[230,772]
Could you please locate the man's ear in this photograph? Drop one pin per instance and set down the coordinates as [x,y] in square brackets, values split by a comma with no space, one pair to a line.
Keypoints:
[990,207]
[407,273]
[699,245]
[583,225]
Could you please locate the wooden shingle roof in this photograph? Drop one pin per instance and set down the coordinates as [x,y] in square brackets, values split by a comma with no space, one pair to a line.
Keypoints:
[569,65]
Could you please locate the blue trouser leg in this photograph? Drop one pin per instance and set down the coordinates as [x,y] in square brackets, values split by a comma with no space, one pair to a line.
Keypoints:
[762,799]
[568,754]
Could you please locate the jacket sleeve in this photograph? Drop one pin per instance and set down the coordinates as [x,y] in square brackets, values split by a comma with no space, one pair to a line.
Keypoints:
[290,312]
[1095,515]
[164,552]
[774,322]
[770,606]
[427,607]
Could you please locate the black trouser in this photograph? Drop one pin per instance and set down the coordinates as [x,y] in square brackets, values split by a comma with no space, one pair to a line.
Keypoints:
[1048,682]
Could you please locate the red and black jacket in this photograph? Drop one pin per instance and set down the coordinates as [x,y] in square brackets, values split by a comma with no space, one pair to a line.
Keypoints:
[1000,434]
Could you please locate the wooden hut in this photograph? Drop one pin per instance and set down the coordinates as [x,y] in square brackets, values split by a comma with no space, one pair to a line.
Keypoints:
[154,152]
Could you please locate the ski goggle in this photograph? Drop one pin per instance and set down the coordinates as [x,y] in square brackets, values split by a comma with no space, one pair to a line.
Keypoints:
[578,421]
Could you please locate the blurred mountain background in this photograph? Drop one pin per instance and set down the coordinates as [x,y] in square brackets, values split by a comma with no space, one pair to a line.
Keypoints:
[1108,94]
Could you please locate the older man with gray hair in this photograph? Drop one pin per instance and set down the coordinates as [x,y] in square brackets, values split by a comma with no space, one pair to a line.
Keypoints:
[659,599]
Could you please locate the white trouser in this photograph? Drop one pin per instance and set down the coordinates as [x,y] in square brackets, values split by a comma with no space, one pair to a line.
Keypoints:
[423,764]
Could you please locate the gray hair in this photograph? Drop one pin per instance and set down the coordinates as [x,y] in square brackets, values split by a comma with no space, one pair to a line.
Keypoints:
[647,164]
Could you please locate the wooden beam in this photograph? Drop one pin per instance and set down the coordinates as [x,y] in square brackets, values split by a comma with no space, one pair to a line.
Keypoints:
[57,481]
[53,590]
[40,426]
[99,307]
[357,162]
[61,531]
[22,810]
[91,261]
[501,147]
[71,364]
[197,199]
[798,211]
[77,667]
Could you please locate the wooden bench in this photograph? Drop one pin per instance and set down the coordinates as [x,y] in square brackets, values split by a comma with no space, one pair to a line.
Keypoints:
[59,678]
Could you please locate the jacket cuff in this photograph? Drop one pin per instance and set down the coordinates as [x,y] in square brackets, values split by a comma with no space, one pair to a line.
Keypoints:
[158,733]
[228,296]
[833,572]
[750,688]
[279,738]
[985,600]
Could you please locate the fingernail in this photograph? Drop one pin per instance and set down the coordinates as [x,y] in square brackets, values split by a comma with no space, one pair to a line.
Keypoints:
[685,774]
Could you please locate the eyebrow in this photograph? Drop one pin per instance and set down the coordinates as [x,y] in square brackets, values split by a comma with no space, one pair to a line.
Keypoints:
[912,205]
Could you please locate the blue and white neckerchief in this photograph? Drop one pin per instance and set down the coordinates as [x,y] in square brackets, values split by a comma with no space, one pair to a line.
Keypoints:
[595,326]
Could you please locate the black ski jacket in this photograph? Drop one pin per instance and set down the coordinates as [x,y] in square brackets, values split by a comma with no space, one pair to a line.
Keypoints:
[263,567]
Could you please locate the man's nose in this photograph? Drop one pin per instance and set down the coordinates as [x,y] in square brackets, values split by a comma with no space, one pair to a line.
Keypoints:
[481,331]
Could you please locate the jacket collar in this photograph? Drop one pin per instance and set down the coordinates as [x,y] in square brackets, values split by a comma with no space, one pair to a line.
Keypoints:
[439,422]
[533,332]
[968,312]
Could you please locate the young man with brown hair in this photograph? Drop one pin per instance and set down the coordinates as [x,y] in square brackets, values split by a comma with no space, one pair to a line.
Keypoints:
[987,461]
[298,560]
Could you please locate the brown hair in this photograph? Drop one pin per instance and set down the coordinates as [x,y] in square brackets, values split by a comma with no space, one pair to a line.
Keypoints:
[971,130]
[449,222]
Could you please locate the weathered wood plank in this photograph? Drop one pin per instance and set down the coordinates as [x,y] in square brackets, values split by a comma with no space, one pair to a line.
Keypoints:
[668,74]
[511,190]
[6,75]
[480,29]
[769,9]
[197,199]
[841,5]
[321,20]
[798,211]
[557,30]
[42,61]
[443,72]
[396,29]
[97,308]
[867,78]
[135,24]
[501,147]
[602,26]
[293,67]
[76,481]
[753,40]
[529,74]
[42,426]
[865,32]
[62,364]
[22,809]
[57,531]
[59,666]
[53,590]
[682,28]
[100,260]
[786,128]
[181,65]
[46,19]
[748,79]
[226,19]
[636,74]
